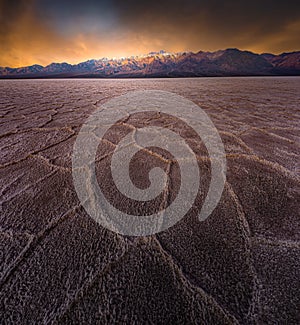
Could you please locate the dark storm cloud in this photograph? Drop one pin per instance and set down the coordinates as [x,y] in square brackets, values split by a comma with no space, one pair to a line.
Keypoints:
[222,13]
[10,10]
[222,17]
[245,21]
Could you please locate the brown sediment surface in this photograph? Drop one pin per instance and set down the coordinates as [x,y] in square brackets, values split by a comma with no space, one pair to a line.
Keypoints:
[241,265]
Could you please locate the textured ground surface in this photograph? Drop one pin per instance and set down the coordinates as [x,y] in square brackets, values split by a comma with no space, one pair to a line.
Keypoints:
[241,265]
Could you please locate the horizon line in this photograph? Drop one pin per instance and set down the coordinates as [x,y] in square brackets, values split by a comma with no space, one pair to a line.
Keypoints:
[149,54]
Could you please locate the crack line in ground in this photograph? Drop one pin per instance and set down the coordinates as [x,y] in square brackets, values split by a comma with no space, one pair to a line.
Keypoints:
[188,282]
[32,244]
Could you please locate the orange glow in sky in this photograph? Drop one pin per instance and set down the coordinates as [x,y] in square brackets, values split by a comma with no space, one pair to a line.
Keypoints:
[27,37]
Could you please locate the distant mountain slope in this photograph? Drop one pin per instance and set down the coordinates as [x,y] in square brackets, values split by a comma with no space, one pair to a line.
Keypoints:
[229,62]
[285,62]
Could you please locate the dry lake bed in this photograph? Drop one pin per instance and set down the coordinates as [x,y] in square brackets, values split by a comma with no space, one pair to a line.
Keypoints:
[240,265]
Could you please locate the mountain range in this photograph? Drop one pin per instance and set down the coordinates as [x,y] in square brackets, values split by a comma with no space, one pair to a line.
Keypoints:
[229,62]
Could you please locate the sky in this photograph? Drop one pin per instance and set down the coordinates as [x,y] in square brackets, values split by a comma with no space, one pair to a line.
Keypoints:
[45,31]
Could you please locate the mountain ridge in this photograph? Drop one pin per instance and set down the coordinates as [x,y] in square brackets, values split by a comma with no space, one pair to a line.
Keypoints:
[228,62]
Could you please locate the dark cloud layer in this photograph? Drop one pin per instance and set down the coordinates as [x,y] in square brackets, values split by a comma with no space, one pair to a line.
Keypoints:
[244,22]
[72,31]
[10,10]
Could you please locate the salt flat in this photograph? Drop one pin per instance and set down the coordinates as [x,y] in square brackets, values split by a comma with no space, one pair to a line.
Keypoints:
[241,265]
